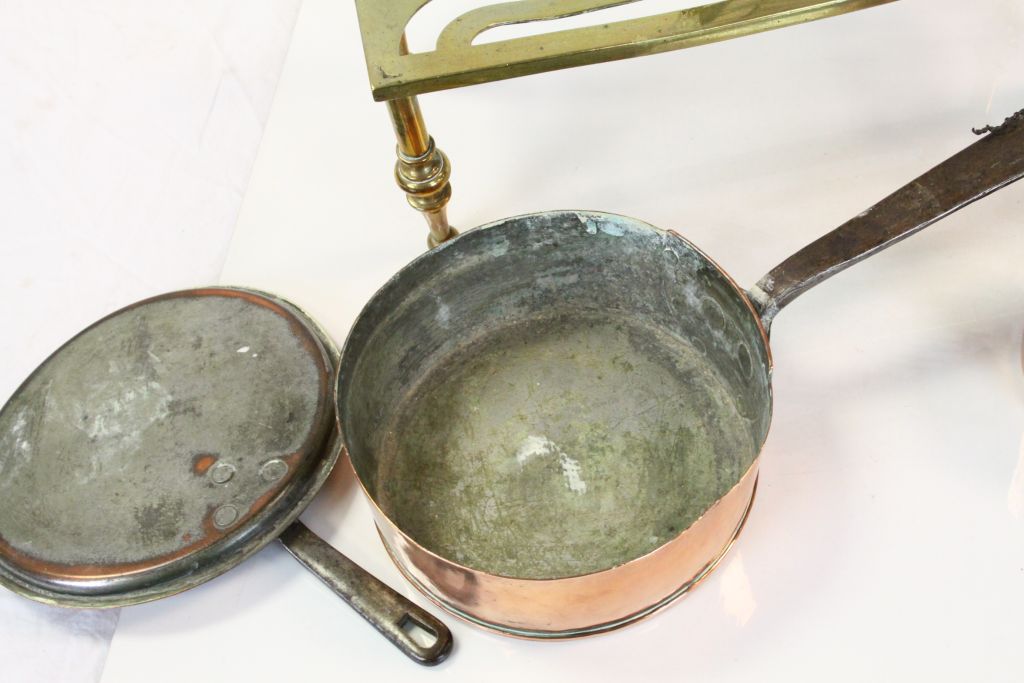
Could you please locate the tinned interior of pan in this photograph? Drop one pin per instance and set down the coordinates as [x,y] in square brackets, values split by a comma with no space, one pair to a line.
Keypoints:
[554,394]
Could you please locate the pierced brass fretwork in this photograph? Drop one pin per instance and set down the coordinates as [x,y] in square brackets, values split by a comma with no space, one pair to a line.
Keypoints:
[456,61]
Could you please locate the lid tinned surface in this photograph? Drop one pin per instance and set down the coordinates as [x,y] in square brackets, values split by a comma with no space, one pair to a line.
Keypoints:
[160,446]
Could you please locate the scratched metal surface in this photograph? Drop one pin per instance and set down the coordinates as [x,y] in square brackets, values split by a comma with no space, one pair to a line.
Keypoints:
[145,454]
[594,386]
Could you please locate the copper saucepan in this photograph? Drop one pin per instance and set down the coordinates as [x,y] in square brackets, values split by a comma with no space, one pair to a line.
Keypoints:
[558,416]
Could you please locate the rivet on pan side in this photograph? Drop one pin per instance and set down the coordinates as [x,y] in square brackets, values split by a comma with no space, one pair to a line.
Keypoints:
[273,470]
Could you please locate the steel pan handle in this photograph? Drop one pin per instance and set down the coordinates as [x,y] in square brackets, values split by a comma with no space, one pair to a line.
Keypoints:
[989,164]
[396,617]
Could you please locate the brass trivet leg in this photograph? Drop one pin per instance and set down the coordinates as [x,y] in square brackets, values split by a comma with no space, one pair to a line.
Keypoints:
[422,170]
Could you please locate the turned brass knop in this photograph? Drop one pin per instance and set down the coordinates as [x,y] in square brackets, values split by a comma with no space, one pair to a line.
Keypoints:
[425,178]
[422,170]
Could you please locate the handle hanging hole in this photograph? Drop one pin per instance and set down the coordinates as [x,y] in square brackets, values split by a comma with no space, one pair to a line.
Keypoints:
[419,633]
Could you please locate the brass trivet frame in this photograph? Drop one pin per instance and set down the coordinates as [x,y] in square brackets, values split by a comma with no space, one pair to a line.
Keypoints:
[396,76]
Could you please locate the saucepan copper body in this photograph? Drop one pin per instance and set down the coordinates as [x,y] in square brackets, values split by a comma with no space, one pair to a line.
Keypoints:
[558,417]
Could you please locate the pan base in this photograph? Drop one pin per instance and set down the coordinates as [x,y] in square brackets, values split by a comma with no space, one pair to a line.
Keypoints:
[596,629]
[561,446]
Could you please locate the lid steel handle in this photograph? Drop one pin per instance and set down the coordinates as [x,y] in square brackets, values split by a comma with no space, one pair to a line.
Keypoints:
[395,616]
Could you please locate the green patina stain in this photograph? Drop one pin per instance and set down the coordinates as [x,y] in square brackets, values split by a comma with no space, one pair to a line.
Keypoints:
[561,447]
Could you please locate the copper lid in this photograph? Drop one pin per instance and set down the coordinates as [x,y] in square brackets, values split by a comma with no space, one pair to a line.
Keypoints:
[161,446]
